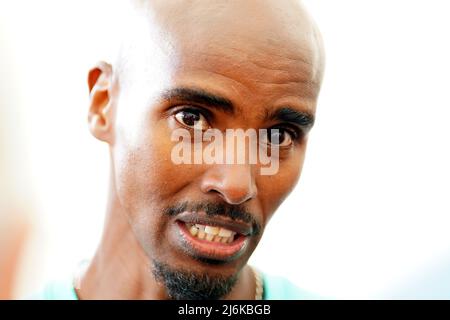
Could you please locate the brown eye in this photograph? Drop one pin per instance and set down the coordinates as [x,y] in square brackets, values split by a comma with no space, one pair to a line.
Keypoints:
[280,137]
[193,119]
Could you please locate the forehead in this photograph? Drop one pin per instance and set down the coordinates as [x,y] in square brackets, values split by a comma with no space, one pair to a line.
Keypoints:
[260,74]
[250,51]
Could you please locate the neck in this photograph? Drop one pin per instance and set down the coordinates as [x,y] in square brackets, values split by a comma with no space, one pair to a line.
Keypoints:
[120,268]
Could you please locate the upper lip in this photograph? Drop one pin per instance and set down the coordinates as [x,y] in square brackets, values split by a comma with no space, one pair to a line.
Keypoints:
[216,221]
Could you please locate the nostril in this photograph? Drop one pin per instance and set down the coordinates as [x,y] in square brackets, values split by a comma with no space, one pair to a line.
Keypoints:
[234,196]
[218,193]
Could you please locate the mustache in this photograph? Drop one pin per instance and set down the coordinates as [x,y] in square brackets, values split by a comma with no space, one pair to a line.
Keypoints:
[234,212]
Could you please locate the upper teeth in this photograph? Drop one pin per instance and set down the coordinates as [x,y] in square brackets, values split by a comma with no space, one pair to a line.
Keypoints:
[211,233]
[212,230]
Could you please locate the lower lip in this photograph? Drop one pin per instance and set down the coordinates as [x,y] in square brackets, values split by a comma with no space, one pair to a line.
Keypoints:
[210,249]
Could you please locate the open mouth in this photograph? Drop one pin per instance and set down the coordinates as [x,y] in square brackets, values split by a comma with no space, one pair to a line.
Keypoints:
[213,238]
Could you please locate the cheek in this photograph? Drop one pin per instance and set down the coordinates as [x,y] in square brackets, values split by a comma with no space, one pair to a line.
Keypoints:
[146,183]
[144,174]
[273,190]
[146,179]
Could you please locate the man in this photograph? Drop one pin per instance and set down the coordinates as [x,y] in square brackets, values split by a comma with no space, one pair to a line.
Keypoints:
[186,231]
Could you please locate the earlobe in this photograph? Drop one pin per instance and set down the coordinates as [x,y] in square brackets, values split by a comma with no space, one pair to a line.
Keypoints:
[100,87]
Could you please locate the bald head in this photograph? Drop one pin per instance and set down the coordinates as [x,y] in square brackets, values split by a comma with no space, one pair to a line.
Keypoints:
[160,32]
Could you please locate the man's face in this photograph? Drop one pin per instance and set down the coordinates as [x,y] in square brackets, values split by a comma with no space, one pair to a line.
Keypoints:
[185,86]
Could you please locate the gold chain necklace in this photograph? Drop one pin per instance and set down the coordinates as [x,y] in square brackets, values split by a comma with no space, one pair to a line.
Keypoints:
[258,284]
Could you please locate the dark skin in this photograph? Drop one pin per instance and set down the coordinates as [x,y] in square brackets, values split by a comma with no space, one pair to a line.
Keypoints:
[261,56]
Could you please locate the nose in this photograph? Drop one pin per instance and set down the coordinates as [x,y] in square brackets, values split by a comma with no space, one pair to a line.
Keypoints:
[233,182]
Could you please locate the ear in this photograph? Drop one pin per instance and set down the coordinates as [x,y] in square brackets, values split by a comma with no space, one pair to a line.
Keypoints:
[100,109]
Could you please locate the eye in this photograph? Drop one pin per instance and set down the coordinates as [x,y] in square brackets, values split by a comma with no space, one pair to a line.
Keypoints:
[281,137]
[193,119]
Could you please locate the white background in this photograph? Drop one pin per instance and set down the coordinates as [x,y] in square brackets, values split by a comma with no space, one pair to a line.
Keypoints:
[370,216]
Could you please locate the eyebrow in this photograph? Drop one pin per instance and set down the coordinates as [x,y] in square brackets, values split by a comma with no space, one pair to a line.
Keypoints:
[288,114]
[302,119]
[199,96]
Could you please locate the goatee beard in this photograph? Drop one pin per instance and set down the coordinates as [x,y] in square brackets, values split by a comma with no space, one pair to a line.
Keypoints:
[186,285]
